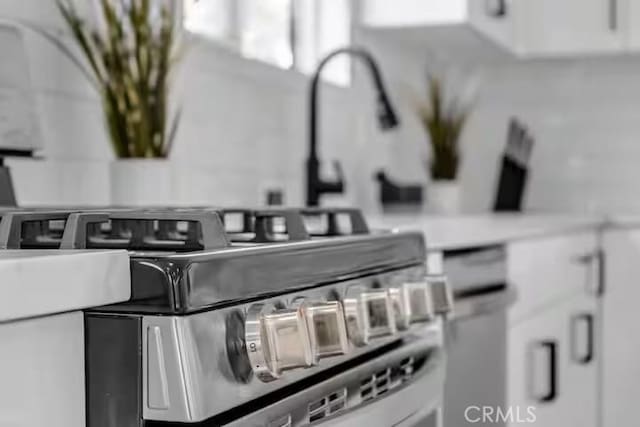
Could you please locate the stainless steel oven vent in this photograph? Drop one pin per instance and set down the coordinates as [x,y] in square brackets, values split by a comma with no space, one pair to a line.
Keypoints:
[407,368]
[281,422]
[389,378]
[327,405]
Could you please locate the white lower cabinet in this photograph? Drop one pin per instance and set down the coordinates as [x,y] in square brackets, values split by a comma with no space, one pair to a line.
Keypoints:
[551,269]
[621,334]
[42,381]
[552,366]
[553,338]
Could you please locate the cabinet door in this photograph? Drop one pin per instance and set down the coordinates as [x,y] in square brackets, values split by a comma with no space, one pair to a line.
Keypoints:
[535,351]
[581,361]
[552,366]
[552,27]
[493,19]
[551,269]
[620,336]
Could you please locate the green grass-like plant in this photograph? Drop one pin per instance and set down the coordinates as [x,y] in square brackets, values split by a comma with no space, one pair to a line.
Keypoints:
[129,60]
[444,121]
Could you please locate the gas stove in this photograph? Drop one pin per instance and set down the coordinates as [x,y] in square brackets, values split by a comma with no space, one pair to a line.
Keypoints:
[274,317]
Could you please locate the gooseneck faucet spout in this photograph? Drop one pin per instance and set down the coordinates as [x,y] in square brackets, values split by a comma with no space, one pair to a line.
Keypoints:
[387,119]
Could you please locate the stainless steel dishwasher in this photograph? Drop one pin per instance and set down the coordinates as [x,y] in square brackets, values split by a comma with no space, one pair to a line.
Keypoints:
[477,334]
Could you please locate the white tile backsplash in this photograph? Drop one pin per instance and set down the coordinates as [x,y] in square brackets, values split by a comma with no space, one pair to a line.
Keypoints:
[585,115]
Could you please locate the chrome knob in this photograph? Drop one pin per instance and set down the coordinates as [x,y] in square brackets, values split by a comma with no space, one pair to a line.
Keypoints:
[354,319]
[327,328]
[276,340]
[440,294]
[369,315]
[411,303]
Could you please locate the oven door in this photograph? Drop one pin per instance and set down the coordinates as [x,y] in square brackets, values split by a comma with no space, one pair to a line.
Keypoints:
[402,385]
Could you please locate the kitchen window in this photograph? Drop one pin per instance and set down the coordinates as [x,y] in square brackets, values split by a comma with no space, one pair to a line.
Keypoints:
[290,34]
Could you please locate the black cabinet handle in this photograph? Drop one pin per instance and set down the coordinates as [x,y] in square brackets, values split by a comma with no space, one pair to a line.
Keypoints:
[582,354]
[550,349]
[594,264]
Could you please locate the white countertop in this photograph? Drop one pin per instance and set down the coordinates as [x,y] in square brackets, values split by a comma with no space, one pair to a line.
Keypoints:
[42,282]
[465,231]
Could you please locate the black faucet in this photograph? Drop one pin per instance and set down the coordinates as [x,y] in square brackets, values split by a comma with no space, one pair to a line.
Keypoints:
[386,117]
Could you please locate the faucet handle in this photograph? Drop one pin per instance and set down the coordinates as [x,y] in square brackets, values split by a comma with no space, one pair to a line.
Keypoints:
[336,185]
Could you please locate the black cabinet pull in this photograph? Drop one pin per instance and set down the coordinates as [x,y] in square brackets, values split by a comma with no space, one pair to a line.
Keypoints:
[550,347]
[594,264]
[582,355]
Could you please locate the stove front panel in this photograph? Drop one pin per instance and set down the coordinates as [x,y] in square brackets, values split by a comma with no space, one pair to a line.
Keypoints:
[190,368]
[196,366]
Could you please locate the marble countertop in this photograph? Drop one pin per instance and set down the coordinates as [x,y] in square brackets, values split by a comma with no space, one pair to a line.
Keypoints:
[465,231]
[44,282]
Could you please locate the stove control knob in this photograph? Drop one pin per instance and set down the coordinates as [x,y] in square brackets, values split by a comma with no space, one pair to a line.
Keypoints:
[440,294]
[327,328]
[276,340]
[411,303]
[369,315]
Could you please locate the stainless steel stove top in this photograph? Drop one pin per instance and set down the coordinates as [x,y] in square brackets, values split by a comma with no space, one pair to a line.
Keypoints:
[189,259]
[236,311]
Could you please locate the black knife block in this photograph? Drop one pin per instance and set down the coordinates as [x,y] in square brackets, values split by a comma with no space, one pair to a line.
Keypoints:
[514,172]
[7,195]
[511,185]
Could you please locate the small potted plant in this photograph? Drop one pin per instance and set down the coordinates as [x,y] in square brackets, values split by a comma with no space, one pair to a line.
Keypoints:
[129,54]
[444,121]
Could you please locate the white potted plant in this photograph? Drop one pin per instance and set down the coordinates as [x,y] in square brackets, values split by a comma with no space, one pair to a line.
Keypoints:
[444,121]
[130,55]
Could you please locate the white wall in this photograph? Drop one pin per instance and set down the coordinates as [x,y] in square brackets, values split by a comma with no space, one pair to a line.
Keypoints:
[244,126]
[585,115]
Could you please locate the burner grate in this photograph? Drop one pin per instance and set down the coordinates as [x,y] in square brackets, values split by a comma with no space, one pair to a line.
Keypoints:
[167,230]
[328,222]
[264,225]
[178,229]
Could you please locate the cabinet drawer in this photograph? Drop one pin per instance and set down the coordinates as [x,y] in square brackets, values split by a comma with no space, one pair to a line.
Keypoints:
[551,269]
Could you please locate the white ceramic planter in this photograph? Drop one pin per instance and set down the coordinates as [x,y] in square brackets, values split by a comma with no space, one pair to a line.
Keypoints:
[141,182]
[444,197]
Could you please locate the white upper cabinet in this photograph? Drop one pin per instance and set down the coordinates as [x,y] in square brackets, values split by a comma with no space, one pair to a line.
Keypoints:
[397,13]
[554,28]
[526,28]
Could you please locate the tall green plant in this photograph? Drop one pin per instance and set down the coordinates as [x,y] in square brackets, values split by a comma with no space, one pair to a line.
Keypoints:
[130,59]
[444,120]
